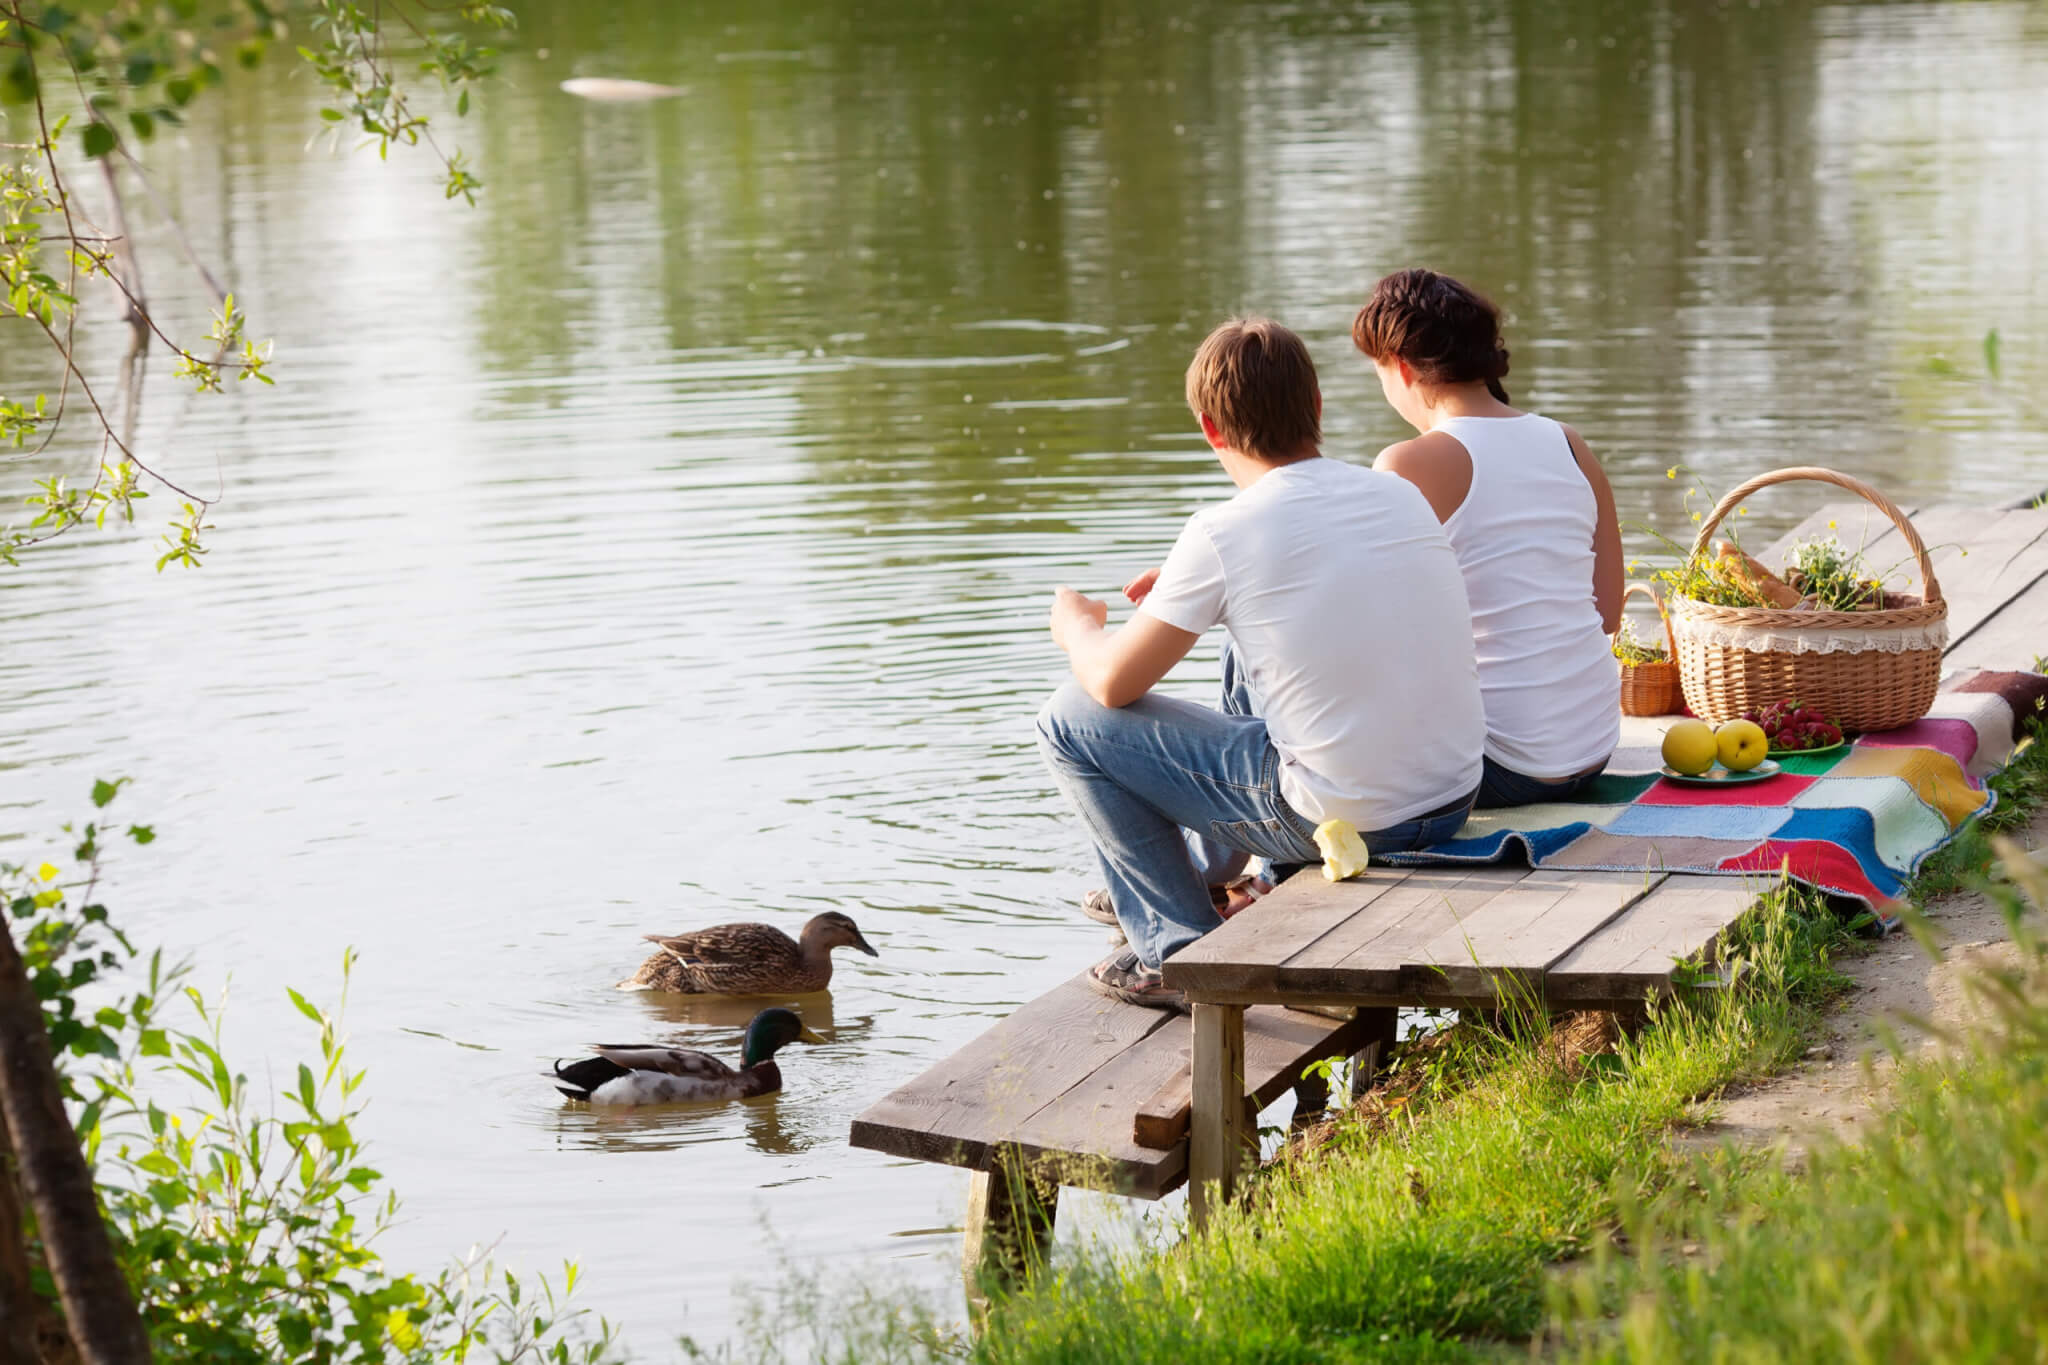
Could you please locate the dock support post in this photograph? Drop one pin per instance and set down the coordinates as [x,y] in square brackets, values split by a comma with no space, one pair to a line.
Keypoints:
[1010,1217]
[1222,1139]
[1382,1023]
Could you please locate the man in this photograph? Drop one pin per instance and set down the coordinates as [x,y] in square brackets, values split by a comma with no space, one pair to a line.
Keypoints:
[1350,686]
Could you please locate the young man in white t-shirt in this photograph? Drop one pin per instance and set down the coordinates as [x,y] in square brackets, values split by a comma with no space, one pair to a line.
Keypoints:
[1350,686]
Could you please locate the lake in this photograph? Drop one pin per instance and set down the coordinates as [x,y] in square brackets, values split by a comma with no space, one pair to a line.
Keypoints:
[667,539]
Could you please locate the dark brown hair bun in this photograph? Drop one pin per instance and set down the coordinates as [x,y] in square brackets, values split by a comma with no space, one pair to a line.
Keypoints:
[1448,332]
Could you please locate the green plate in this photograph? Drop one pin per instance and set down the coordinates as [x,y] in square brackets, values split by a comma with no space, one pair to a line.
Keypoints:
[1809,753]
[1718,776]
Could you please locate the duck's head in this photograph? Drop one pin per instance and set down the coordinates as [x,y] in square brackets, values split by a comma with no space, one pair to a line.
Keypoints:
[770,1032]
[834,930]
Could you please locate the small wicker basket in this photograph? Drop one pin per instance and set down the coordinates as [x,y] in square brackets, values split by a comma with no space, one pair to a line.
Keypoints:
[1652,689]
[1865,670]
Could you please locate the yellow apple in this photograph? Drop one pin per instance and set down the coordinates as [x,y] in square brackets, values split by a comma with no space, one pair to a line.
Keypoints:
[1742,745]
[1689,747]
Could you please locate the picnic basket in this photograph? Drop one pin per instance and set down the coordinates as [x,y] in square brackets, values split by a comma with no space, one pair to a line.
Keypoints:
[1651,689]
[1865,670]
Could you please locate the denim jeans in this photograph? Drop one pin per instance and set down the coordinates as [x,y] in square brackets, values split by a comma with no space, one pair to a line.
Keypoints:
[1501,786]
[1178,797]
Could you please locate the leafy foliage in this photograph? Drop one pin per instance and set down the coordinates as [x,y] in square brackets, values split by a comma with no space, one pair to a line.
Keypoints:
[122,71]
[248,1228]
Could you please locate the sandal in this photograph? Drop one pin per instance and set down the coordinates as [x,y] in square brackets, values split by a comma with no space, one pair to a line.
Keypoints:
[1095,905]
[1123,977]
[1241,893]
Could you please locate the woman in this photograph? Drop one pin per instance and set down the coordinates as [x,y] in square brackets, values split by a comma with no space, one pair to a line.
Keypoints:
[1531,517]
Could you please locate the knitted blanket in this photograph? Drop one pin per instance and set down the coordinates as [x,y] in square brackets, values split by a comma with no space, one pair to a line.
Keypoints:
[1857,822]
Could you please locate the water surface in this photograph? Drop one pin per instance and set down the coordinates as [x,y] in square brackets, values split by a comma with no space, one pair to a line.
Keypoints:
[667,539]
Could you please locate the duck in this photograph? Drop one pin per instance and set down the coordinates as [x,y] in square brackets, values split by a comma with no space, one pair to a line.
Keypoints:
[628,1074]
[748,959]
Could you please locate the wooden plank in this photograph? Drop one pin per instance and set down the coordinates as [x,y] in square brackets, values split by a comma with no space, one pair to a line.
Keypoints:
[2007,555]
[1248,949]
[970,1101]
[1523,930]
[1366,955]
[1632,956]
[1220,1141]
[2011,639]
[1277,1044]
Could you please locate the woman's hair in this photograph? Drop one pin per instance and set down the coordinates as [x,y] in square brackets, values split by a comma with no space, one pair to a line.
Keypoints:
[1448,333]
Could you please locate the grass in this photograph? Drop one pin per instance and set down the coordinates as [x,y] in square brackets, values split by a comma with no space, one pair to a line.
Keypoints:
[1922,1243]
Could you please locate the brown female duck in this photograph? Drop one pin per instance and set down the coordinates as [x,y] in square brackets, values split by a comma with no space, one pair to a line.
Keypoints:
[747,959]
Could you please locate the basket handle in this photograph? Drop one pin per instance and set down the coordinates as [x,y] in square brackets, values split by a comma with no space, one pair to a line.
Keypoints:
[1818,475]
[1650,591]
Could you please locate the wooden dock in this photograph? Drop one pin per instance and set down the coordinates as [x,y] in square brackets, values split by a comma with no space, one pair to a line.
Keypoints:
[1076,1089]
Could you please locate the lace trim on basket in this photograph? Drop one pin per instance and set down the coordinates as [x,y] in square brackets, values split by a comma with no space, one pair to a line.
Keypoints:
[1783,640]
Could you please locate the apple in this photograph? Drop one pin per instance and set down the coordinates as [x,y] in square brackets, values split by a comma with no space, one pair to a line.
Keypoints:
[1741,744]
[1690,747]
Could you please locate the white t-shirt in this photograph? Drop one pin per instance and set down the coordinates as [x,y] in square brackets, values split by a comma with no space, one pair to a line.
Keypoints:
[1347,610]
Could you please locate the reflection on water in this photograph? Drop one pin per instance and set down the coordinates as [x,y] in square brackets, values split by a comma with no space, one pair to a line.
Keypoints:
[666,541]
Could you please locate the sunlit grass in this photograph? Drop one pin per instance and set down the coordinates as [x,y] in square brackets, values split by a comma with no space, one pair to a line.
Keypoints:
[1922,1243]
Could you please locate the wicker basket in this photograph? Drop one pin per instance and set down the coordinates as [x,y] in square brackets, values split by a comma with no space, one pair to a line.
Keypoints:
[1651,689]
[1865,670]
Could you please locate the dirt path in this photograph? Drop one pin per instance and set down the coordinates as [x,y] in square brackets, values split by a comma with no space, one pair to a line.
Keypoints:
[1897,985]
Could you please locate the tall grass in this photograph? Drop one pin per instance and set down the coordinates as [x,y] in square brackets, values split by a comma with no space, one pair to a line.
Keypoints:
[1925,1242]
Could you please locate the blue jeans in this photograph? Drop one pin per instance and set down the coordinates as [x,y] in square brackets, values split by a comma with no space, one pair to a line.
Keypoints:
[1177,798]
[1501,786]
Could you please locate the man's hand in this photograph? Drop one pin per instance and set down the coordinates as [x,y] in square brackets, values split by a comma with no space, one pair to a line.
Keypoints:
[1140,588]
[1072,612]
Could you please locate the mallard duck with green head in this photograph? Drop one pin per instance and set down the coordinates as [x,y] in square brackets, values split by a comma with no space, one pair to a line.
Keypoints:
[651,1074]
[748,959]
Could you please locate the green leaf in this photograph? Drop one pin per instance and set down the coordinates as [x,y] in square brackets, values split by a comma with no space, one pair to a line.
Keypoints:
[180,90]
[333,115]
[98,139]
[143,124]
[155,1043]
[142,834]
[104,791]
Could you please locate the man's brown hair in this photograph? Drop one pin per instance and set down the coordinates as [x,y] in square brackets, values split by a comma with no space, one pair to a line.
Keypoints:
[1255,380]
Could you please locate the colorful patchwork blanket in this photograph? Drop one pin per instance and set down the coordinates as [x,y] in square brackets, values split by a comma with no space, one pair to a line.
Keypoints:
[1857,822]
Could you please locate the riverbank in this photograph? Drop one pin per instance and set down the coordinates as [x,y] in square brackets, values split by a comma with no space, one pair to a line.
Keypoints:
[1503,1192]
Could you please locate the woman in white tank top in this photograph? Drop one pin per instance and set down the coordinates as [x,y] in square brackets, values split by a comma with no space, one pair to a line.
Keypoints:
[1530,514]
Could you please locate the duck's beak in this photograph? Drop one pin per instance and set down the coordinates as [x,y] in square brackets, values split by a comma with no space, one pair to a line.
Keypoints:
[860,941]
[809,1035]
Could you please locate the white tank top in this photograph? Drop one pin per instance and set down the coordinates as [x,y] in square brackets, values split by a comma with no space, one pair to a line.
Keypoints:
[1524,539]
